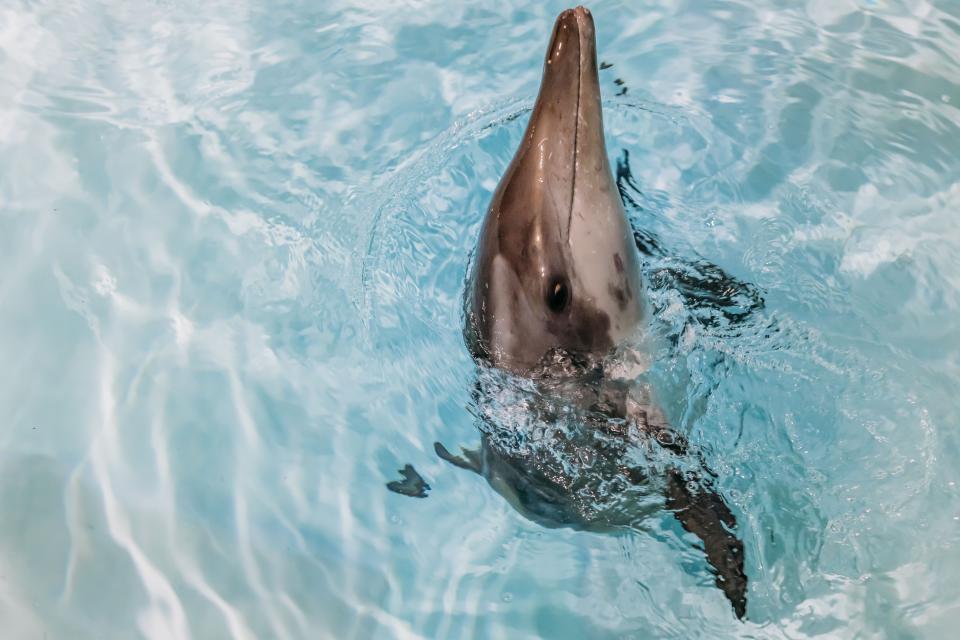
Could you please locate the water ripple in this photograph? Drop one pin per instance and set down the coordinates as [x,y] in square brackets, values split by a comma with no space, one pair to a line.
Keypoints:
[234,238]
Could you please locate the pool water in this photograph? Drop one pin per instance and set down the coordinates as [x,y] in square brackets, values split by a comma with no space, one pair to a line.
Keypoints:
[233,237]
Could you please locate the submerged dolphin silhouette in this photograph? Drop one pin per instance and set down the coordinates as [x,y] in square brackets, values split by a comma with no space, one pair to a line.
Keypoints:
[555,286]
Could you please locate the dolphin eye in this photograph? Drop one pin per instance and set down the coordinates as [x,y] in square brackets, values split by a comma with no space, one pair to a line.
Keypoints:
[558,295]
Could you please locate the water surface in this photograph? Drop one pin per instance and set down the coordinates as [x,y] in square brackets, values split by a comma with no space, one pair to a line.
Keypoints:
[233,237]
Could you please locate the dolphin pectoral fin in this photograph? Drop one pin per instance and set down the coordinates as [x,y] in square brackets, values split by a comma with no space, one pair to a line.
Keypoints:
[470,460]
[709,292]
[703,513]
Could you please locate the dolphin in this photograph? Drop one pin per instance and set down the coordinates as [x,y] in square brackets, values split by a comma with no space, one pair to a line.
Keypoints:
[554,291]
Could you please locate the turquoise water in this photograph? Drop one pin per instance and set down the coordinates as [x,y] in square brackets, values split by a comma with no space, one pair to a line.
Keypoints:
[233,237]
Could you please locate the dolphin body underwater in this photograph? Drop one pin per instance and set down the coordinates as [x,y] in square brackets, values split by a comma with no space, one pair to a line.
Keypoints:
[553,305]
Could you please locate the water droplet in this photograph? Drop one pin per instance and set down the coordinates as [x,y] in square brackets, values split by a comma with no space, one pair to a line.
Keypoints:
[586,456]
[665,438]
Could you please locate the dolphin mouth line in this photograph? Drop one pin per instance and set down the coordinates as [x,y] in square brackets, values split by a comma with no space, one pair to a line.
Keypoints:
[576,130]
[582,19]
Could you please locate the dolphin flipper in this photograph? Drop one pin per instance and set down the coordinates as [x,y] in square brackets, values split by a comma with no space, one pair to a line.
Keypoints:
[703,513]
[470,460]
[709,292]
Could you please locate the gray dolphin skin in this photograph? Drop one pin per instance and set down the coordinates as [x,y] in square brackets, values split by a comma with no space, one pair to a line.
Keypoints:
[557,271]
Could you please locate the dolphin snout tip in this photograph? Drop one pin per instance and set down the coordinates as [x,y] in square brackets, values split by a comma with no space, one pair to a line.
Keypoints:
[576,16]
[584,19]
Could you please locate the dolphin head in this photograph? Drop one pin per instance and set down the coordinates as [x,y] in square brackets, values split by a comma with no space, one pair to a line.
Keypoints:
[556,267]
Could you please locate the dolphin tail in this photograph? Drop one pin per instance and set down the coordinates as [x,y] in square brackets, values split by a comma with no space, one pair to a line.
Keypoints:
[703,513]
[412,485]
